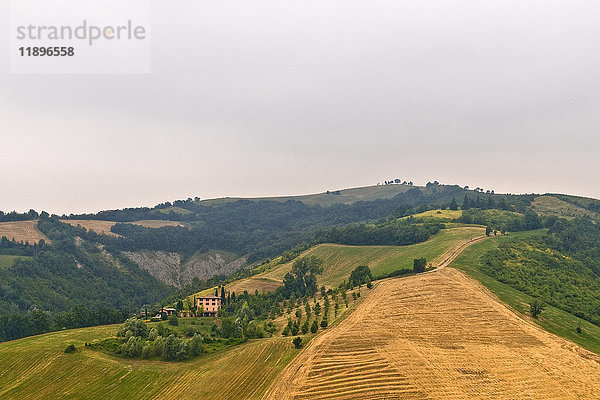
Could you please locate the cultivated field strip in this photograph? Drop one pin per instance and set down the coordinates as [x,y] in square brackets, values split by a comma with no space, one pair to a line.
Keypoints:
[103,227]
[437,336]
[22,231]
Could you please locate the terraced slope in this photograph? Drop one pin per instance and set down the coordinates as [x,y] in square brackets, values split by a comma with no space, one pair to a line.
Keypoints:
[22,231]
[437,336]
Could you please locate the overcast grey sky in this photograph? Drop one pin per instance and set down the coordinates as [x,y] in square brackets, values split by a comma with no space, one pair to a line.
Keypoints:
[278,97]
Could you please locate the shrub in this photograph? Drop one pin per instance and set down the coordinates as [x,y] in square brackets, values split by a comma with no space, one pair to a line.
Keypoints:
[419,265]
[304,328]
[536,307]
[314,327]
[196,345]
[159,346]
[255,329]
[70,349]
[191,331]
[133,327]
[297,342]
[148,350]
[230,328]
[173,320]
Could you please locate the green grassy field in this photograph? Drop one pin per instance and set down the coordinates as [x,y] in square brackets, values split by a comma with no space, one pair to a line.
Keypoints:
[446,215]
[38,368]
[346,196]
[339,260]
[8,261]
[552,319]
[550,205]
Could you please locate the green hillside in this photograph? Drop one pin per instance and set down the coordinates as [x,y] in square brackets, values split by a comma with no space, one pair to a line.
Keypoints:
[7,261]
[339,260]
[551,205]
[552,319]
[38,368]
[343,196]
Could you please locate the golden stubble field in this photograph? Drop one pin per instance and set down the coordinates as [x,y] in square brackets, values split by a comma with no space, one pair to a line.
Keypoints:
[103,227]
[437,336]
[22,231]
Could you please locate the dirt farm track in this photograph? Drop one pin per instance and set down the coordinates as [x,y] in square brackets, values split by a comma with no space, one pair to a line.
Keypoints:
[437,336]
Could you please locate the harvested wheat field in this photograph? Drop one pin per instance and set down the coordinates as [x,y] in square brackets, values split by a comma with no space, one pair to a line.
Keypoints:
[156,223]
[251,285]
[100,227]
[103,227]
[437,336]
[22,231]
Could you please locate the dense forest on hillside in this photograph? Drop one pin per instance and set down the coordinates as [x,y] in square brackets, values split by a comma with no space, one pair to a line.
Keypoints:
[266,228]
[394,233]
[561,267]
[72,271]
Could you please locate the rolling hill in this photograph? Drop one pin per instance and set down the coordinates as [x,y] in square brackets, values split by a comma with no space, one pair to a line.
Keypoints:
[438,335]
[413,337]
[339,260]
[328,198]
[550,205]
[38,368]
